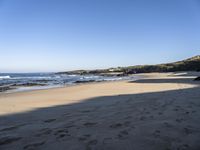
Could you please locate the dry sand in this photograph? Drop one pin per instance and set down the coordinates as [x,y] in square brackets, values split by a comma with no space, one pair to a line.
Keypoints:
[161,112]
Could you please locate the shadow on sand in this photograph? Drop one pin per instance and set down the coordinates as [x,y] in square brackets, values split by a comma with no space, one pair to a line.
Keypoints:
[168,120]
[173,80]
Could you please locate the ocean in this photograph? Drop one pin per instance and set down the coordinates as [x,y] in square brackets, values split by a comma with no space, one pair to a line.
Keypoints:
[12,82]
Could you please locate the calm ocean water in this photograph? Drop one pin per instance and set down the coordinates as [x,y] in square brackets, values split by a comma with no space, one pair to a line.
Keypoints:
[11,82]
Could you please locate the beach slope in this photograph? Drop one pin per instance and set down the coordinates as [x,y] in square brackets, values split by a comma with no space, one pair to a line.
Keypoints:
[161,112]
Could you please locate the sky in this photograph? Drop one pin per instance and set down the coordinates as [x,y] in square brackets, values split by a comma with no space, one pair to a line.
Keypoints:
[61,35]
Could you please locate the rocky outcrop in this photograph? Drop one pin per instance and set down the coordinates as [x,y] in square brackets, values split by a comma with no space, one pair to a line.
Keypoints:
[5,88]
[197,79]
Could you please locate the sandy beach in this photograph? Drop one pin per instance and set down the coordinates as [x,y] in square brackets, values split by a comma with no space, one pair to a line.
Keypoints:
[159,112]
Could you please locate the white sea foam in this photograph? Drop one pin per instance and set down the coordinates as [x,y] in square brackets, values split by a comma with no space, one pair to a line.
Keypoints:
[112,79]
[72,75]
[52,80]
[4,77]
[90,77]
[33,77]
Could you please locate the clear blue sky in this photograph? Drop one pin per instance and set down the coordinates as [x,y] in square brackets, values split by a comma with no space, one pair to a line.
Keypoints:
[59,35]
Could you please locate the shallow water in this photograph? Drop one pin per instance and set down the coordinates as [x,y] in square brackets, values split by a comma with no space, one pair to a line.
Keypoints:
[32,81]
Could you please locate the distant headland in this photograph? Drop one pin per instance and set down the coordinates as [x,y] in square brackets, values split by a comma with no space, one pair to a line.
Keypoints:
[190,64]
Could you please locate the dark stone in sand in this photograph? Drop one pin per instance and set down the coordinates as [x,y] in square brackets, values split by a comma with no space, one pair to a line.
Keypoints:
[8,140]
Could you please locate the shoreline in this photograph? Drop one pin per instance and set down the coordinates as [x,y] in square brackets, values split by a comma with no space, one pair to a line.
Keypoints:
[134,78]
[20,89]
[38,85]
[139,76]
[64,95]
[36,88]
[54,87]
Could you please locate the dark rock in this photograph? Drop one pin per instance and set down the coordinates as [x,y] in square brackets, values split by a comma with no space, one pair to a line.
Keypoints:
[87,81]
[29,84]
[5,88]
[44,81]
[197,79]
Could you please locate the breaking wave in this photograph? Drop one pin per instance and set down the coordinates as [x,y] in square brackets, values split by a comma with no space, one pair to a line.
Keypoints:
[4,77]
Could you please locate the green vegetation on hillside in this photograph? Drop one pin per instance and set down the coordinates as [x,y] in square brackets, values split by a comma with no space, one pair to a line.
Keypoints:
[191,64]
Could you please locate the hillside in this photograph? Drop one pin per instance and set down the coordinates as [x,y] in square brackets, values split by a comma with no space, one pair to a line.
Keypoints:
[190,64]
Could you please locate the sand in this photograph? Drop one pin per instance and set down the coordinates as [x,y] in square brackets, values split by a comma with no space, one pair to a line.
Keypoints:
[160,112]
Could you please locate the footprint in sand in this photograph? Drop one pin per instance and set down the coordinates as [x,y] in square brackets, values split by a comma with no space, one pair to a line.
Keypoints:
[45,131]
[193,111]
[179,120]
[128,117]
[117,125]
[187,112]
[184,147]
[33,145]
[167,125]
[142,118]
[49,120]
[127,123]
[175,109]
[61,136]
[84,137]
[69,126]
[156,133]
[147,112]
[90,144]
[85,111]
[87,135]
[129,100]
[155,108]
[123,134]
[88,124]
[151,116]
[132,127]
[8,140]
[11,128]
[189,106]
[188,131]
[107,140]
[62,133]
